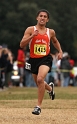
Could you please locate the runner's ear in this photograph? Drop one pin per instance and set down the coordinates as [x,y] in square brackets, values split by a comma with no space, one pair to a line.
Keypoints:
[37,18]
[47,20]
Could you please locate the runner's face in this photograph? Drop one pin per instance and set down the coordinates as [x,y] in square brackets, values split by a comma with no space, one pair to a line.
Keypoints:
[42,18]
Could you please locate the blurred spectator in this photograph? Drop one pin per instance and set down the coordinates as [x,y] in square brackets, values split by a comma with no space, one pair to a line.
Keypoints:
[29,82]
[9,68]
[72,77]
[54,70]
[1,84]
[21,64]
[6,62]
[53,76]
[65,70]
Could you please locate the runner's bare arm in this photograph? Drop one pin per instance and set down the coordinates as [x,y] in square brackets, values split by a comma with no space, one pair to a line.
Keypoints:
[56,43]
[28,35]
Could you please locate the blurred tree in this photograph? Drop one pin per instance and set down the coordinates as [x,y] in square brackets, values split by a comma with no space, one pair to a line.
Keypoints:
[17,15]
[67,24]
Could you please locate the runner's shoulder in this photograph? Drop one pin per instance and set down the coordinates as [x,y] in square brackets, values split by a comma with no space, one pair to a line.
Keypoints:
[29,29]
[52,32]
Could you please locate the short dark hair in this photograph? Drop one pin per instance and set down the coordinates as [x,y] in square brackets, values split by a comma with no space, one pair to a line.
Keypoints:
[43,10]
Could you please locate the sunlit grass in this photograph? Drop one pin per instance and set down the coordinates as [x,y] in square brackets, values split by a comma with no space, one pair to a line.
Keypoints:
[16,93]
[16,106]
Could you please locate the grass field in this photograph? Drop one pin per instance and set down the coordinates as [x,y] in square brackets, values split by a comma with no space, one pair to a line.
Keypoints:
[16,105]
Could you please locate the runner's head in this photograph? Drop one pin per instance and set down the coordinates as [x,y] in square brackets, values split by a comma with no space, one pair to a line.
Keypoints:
[43,10]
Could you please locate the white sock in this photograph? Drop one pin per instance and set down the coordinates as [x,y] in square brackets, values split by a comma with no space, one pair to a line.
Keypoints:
[38,106]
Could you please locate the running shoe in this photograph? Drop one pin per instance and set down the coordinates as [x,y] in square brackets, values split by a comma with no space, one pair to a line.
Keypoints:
[36,111]
[52,93]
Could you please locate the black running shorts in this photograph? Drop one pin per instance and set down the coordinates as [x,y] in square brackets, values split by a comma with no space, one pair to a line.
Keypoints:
[37,62]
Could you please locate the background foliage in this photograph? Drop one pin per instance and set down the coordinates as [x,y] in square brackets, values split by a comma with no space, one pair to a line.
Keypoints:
[17,15]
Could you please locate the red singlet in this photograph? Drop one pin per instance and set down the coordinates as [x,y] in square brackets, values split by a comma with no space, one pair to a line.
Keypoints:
[40,45]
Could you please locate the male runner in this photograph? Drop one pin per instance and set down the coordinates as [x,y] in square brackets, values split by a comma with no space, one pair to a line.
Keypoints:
[39,38]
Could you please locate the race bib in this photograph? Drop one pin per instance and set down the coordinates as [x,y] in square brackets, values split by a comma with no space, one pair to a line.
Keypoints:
[28,66]
[39,49]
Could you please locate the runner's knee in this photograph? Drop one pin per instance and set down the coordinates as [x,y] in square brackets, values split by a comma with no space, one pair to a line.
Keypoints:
[40,80]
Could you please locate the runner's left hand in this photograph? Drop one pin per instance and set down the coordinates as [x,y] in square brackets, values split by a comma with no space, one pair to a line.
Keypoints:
[60,55]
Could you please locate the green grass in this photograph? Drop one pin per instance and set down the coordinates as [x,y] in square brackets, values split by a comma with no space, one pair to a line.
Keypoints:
[16,93]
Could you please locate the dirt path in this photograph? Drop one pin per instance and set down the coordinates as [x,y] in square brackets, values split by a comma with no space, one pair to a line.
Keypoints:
[54,114]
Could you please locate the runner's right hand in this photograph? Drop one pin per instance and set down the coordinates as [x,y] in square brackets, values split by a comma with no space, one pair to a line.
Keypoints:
[35,33]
